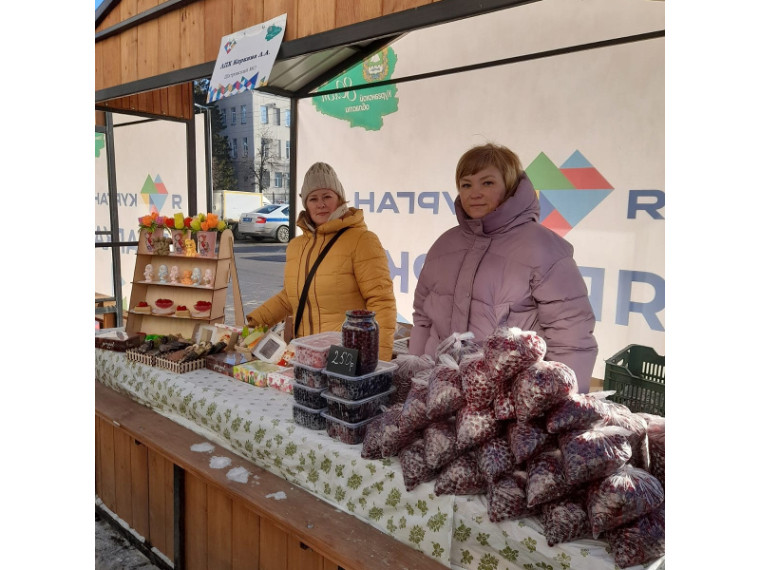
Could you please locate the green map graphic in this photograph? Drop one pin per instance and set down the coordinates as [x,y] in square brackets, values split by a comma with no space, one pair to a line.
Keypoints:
[364,107]
[100,143]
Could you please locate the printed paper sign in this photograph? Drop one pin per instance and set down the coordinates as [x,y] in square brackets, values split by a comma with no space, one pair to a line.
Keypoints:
[246,59]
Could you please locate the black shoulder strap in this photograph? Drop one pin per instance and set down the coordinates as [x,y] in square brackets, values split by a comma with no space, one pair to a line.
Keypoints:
[307,284]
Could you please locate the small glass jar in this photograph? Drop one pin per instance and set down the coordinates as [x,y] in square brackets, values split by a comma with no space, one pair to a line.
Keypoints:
[361,332]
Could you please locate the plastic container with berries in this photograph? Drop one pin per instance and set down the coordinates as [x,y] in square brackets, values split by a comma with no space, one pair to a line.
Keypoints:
[308,418]
[309,397]
[356,410]
[309,376]
[312,350]
[360,387]
[350,433]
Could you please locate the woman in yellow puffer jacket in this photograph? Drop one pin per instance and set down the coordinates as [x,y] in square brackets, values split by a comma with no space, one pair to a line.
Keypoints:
[353,275]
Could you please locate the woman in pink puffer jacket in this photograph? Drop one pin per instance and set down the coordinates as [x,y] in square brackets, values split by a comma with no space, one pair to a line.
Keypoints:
[500,264]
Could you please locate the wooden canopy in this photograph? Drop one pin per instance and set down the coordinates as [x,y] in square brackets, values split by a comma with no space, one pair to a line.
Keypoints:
[148,52]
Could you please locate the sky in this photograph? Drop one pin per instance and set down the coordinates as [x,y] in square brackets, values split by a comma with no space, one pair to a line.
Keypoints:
[98,3]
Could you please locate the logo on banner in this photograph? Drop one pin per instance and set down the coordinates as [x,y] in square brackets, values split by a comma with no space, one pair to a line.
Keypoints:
[154,193]
[255,53]
[568,193]
[367,106]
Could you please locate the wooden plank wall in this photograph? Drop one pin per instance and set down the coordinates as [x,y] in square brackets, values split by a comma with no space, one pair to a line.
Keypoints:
[190,34]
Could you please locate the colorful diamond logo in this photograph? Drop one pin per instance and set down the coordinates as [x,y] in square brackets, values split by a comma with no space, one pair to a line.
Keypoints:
[569,193]
[154,193]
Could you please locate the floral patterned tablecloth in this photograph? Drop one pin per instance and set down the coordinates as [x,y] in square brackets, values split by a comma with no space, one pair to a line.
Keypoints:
[257,423]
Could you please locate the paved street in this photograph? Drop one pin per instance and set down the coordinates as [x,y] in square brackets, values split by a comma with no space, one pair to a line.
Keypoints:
[260,267]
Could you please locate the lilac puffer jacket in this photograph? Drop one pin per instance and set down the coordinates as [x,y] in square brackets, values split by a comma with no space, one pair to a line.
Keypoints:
[506,266]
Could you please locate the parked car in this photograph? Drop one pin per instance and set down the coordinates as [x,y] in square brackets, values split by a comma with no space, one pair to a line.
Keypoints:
[270,221]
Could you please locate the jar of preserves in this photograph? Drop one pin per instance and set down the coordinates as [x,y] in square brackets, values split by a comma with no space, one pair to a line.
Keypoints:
[361,332]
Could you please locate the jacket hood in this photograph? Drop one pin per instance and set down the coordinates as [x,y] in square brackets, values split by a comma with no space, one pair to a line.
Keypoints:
[353,218]
[523,206]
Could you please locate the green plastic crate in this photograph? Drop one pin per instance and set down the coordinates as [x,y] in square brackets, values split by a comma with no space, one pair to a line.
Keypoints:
[637,374]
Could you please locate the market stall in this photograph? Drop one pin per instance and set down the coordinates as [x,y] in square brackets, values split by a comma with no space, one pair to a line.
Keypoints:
[257,423]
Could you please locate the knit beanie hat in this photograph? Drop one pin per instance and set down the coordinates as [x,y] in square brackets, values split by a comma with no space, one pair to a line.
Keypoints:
[321,175]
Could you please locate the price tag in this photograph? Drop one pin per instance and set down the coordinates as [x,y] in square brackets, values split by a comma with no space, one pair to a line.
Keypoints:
[342,360]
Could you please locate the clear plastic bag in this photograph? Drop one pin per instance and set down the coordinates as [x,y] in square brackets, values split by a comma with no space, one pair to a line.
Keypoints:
[504,402]
[594,453]
[506,498]
[565,520]
[511,350]
[444,393]
[621,497]
[456,346]
[413,466]
[495,458]
[479,381]
[526,439]
[440,443]
[542,386]
[619,415]
[579,411]
[656,437]
[546,478]
[394,433]
[407,365]
[414,412]
[475,427]
[461,477]
[639,542]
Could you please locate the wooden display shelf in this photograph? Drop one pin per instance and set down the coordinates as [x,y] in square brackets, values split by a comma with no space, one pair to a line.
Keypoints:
[223,267]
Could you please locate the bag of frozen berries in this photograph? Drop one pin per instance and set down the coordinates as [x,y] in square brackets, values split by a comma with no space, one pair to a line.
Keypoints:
[456,346]
[546,478]
[506,498]
[407,365]
[594,453]
[579,411]
[413,466]
[495,458]
[526,439]
[565,519]
[440,443]
[475,427]
[444,392]
[640,541]
[504,401]
[478,380]
[622,497]
[510,350]
[461,477]
[542,386]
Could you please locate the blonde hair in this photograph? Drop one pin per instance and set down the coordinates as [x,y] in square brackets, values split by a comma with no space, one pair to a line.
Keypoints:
[483,156]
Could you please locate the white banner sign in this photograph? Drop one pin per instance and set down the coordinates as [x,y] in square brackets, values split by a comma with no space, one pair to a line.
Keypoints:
[246,58]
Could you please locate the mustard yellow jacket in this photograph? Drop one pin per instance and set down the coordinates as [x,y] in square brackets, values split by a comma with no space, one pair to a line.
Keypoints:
[353,275]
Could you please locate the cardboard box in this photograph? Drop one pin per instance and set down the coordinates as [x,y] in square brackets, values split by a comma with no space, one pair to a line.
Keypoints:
[225,362]
[118,341]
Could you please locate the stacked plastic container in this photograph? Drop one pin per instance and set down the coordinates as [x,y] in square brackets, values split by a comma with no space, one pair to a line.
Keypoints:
[348,403]
[309,362]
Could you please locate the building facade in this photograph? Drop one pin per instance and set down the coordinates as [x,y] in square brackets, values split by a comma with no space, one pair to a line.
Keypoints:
[257,126]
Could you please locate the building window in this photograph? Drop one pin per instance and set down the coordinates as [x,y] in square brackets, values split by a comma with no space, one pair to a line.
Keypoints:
[277,148]
[287,117]
[287,149]
[243,114]
[265,182]
[233,115]
[275,115]
[265,147]
[245,146]
[278,179]
[234,148]
[264,114]
[224,118]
